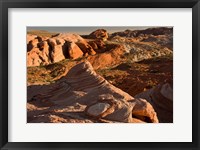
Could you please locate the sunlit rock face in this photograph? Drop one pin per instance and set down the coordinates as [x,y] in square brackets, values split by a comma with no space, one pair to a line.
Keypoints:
[84,91]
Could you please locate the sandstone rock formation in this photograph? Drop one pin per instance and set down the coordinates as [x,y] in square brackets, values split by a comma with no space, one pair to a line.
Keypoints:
[74,51]
[30,37]
[78,40]
[161,98]
[97,44]
[143,44]
[84,96]
[109,56]
[161,36]
[43,51]
[99,34]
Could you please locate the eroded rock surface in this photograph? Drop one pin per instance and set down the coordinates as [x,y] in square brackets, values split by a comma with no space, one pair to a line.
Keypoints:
[43,51]
[84,96]
[99,34]
[161,98]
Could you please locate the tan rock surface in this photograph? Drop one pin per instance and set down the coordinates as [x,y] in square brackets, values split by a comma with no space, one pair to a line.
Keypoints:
[85,92]
[30,37]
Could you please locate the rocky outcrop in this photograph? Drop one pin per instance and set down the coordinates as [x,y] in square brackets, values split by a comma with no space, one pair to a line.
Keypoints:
[78,40]
[149,31]
[142,44]
[99,34]
[141,50]
[30,37]
[161,98]
[84,95]
[161,36]
[57,51]
[109,56]
[97,44]
[36,57]
[74,51]
[43,51]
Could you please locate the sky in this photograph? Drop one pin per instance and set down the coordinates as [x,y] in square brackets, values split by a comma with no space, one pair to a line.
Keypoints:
[87,30]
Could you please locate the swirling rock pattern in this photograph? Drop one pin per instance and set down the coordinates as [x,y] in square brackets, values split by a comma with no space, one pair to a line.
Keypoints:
[84,96]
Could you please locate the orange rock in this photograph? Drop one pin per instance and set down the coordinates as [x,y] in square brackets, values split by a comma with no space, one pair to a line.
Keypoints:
[74,51]
[109,58]
[93,45]
[56,48]
[86,48]
[30,37]
[97,44]
[33,58]
[99,34]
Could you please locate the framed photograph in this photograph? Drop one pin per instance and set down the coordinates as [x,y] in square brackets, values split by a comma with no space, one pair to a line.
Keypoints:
[101,75]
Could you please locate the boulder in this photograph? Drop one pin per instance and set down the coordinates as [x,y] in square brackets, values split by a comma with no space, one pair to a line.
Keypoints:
[99,34]
[97,109]
[161,98]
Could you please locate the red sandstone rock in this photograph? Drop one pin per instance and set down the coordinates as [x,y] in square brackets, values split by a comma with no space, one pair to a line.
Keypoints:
[100,99]
[99,34]
[56,49]
[74,51]
[30,37]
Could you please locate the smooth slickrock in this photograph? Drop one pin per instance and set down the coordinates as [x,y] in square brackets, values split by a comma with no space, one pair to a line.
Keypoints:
[102,100]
